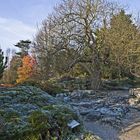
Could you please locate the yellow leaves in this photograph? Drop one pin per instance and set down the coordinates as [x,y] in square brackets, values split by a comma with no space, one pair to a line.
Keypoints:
[26,70]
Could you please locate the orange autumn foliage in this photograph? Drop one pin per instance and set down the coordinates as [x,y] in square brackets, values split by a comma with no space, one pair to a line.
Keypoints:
[26,70]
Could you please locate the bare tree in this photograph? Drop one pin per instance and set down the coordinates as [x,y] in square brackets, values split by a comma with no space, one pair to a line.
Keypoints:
[72,29]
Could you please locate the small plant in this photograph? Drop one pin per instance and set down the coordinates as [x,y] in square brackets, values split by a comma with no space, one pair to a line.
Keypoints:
[89,136]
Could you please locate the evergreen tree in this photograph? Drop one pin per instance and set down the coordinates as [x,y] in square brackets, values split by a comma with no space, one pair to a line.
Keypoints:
[121,44]
[3,63]
[24,46]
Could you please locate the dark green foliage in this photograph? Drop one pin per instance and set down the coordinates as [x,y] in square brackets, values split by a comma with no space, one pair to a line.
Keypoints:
[119,47]
[52,89]
[31,114]
[49,87]
[10,74]
[51,125]
[24,46]
[47,124]
[3,63]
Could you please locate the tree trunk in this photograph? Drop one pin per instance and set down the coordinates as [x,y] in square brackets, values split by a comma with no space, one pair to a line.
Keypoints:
[96,80]
[96,69]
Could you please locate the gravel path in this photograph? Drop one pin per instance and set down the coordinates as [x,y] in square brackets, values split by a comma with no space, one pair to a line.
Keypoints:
[104,131]
[133,133]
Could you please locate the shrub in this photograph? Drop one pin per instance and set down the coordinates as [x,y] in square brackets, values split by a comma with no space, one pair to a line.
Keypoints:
[49,87]
[49,124]
[52,89]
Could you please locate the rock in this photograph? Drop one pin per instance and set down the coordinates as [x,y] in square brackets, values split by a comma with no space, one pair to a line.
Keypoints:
[135,97]
[112,121]
[105,111]
[84,112]
[66,99]
[109,107]
[93,116]
[133,101]
[86,104]
[115,111]
[135,92]
[2,125]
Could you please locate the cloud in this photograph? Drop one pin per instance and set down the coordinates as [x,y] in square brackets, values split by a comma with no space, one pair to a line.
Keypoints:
[36,13]
[12,30]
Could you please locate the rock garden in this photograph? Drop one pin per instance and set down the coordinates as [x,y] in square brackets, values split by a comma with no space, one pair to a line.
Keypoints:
[106,113]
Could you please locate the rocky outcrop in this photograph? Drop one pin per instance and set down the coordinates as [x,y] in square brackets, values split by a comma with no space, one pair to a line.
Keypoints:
[98,106]
[106,113]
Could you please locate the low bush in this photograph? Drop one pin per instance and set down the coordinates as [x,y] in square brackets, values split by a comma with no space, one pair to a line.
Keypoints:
[50,87]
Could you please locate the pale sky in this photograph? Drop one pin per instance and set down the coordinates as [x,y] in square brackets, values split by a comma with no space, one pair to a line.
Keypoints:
[19,18]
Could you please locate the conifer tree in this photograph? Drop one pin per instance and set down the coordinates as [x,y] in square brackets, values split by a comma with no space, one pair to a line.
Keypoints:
[24,46]
[3,63]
